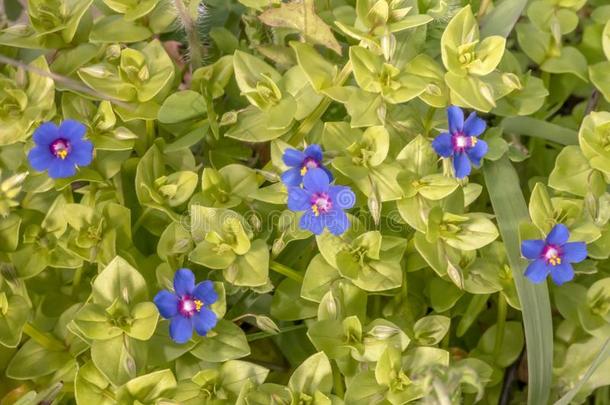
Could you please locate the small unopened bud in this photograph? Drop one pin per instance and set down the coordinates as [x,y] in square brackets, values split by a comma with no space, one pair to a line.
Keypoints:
[383,332]
[266,324]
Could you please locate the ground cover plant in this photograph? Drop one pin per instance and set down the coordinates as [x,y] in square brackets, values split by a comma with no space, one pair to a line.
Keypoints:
[304,202]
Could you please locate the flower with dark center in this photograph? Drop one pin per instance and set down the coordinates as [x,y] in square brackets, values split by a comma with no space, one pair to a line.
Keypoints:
[60,150]
[188,306]
[301,162]
[461,143]
[553,255]
[322,202]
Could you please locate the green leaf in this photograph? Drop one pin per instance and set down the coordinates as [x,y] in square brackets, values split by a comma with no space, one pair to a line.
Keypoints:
[91,387]
[227,342]
[541,129]
[502,19]
[119,279]
[302,17]
[510,208]
[431,329]
[314,374]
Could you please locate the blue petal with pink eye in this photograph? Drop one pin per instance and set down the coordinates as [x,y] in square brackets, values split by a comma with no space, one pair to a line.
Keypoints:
[300,162]
[322,203]
[461,144]
[60,150]
[553,255]
[188,307]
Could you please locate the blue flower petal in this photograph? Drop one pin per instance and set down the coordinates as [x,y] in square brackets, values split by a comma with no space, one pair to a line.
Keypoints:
[184,282]
[312,222]
[292,177]
[40,158]
[205,292]
[336,221]
[316,180]
[477,152]
[45,134]
[342,197]
[72,130]
[167,304]
[204,321]
[574,252]
[314,151]
[442,145]
[537,271]
[461,164]
[455,117]
[532,248]
[61,169]
[328,172]
[180,329]
[558,235]
[293,157]
[474,126]
[562,273]
[298,199]
[81,153]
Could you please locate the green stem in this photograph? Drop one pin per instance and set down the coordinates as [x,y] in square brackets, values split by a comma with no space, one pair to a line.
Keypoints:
[338,380]
[150,133]
[78,275]
[44,339]
[428,120]
[141,219]
[192,36]
[307,124]
[500,325]
[261,335]
[286,271]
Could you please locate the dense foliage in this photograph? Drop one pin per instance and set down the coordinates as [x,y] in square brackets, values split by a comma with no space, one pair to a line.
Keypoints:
[304,202]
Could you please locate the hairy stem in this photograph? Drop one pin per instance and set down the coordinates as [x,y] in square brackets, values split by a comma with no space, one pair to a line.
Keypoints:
[192,36]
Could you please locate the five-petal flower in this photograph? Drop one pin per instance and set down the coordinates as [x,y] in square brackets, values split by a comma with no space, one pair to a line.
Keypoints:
[322,202]
[188,306]
[553,255]
[461,142]
[60,149]
[301,162]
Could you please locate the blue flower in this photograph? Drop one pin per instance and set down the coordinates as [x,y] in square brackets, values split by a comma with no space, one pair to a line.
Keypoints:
[462,142]
[323,203]
[60,149]
[553,255]
[188,307]
[301,163]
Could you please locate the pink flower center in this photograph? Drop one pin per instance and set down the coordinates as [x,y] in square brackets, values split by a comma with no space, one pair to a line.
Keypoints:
[60,148]
[320,203]
[552,254]
[461,142]
[309,163]
[188,306]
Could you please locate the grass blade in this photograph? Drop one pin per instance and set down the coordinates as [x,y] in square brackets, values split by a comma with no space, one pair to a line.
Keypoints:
[539,129]
[603,354]
[502,19]
[510,208]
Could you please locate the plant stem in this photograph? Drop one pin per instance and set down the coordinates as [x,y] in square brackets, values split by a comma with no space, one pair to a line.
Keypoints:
[150,133]
[138,223]
[337,380]
[192,37]
[286,271]
[261,335]
[44,339]
[500,325]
